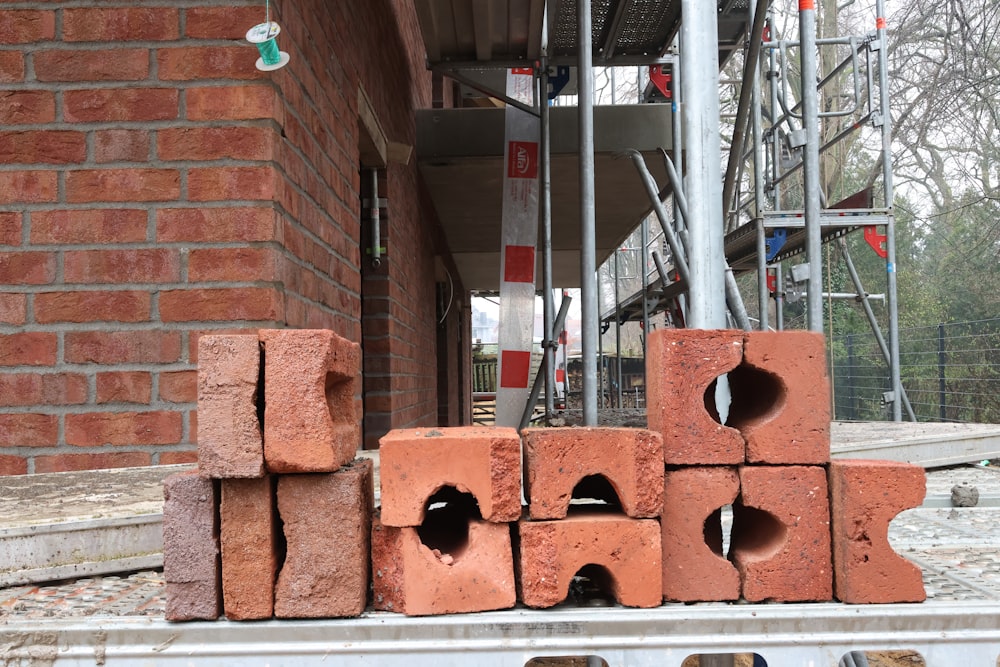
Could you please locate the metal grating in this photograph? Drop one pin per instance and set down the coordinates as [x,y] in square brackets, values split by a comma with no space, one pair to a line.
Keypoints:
[647,27]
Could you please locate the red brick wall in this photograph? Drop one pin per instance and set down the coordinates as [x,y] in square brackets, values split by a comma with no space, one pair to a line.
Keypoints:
[155,185]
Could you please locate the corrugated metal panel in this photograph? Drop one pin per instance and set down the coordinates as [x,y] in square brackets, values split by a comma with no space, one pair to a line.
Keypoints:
[468,31]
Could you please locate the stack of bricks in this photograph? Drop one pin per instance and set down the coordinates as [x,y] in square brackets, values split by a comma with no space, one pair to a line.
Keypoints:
[275,522]
[772,464]
[279,520]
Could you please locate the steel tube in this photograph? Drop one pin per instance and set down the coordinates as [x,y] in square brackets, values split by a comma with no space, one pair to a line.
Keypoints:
[810,161]
[700,63]
[536,386]
[548,307]
[757,14]
[588,253]
[763,301]
[676,247]
[890,227]
[376,221]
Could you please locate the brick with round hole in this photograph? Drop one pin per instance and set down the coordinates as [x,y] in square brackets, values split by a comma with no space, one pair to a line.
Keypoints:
[781,398]
[864,498]
[558,459]
[417,463]
[311,377]
[417,579]
[781,534]
[694,569]
[681,367]
[626,552]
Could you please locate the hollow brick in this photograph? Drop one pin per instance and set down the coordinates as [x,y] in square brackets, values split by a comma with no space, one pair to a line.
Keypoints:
[694,569]
[411,578]
[191,547]
[327,529]
[681,365]
[552,552]
[416,463]
[230,443]
[557,459]
[781,534]
[781,398]
[864,498]
[311,377]
[248,529]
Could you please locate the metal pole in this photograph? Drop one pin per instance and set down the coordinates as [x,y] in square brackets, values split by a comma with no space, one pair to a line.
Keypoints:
[645,288]
[942,411]
[548,306]
[772,74]
[890,227]
[677,136]
[763,299]
[810,164]
[536,386]
[704,173]
[779,297]
[618,338]
[588,252]
[852,412]
[757,16]
[376,222]
[870,314]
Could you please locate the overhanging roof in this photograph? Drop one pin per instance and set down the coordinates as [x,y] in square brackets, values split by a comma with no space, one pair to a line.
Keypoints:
[460,155]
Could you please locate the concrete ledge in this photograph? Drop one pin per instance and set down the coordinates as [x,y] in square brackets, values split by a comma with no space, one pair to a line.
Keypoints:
[74,524]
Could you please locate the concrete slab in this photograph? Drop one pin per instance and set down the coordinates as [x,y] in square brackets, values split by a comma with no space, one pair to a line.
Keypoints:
[72,524]
[928,444]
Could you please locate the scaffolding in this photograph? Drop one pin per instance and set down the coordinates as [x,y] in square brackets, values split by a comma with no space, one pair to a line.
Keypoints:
[773,160]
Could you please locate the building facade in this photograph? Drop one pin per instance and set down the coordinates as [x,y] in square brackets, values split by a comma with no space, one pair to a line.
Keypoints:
[155,186]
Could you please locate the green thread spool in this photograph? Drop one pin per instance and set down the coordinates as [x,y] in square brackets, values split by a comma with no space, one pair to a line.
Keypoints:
[263,37]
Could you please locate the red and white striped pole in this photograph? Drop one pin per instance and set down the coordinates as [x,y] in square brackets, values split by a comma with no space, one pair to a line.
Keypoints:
[518,237]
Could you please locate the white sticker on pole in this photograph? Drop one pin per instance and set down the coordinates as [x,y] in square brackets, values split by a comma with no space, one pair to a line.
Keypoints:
[518,237]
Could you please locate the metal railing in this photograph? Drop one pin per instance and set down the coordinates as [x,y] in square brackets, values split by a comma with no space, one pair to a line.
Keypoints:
[950,372]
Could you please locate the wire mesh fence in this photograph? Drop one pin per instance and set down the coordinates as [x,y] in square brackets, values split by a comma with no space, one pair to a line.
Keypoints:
[949,372]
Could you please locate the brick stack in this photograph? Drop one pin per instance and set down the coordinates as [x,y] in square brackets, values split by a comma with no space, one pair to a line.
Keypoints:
[772,463]
[279,497]
[276,520]
[474,572]
[625,545]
